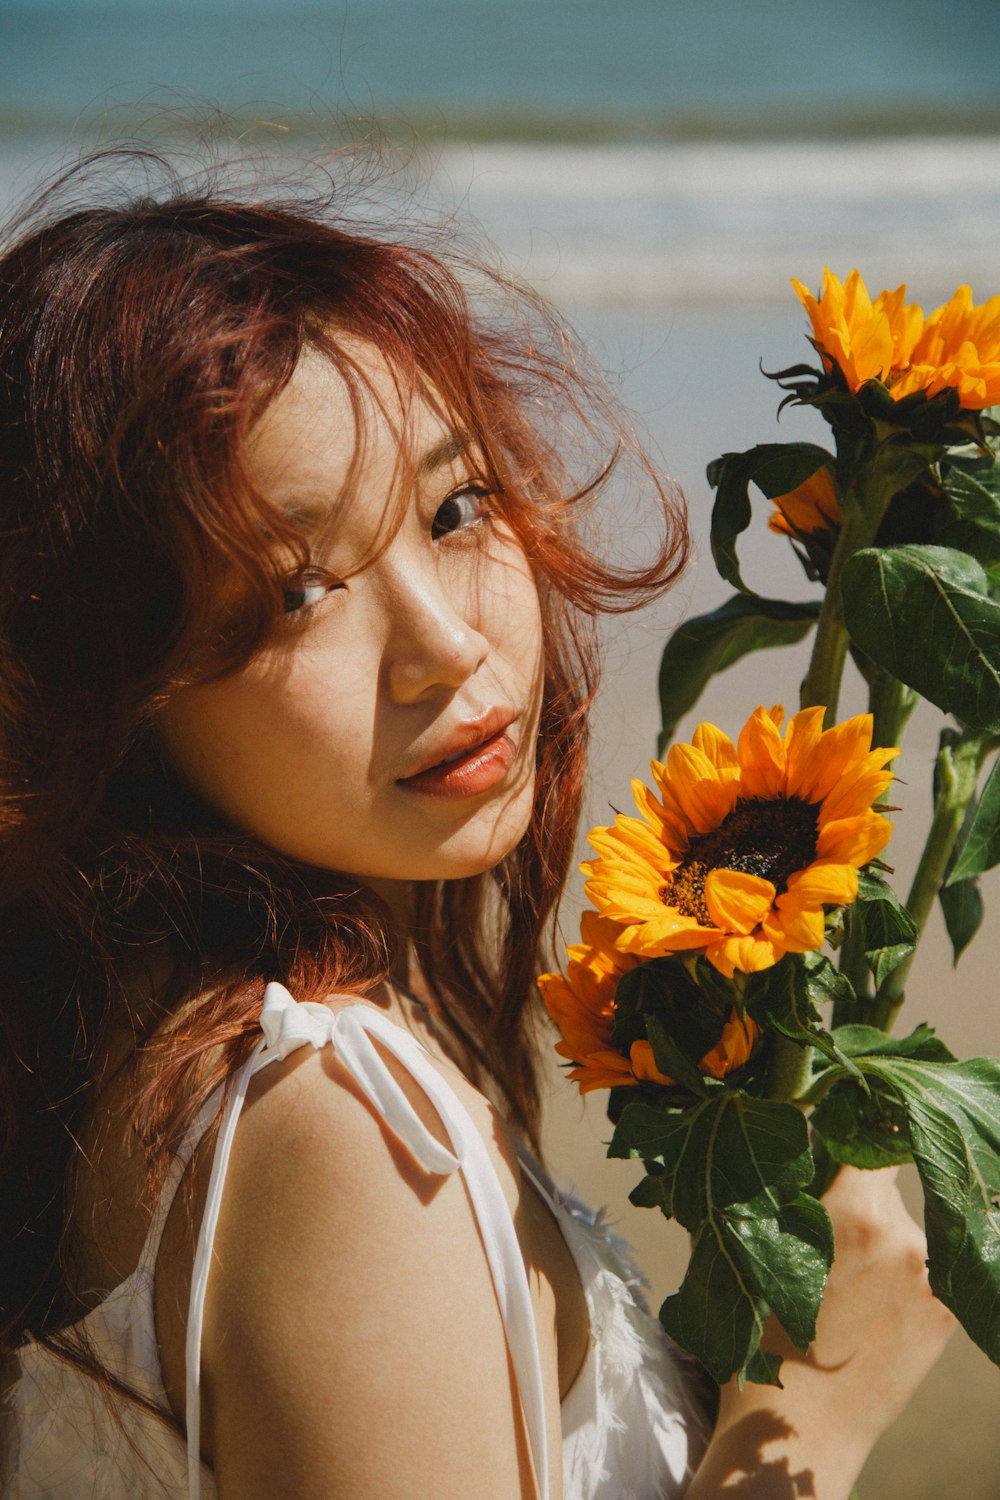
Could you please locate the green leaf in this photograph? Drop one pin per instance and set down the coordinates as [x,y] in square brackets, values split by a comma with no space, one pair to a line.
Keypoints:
[629,1024]
[978,846]
[729,1148]
[708,644]
[658,1002]
[968,518]
[924,615]
[748,1260]
[889,932]
[731,1169]
[775,468]
[961,901]
[762,1369]
[953,1119]
[869,1129]
[971,467]
[863,1129]
[717,1313]
[869,1041]
[826,984]
[790,1254]
[648,1193]
[962,908]
[671,1058]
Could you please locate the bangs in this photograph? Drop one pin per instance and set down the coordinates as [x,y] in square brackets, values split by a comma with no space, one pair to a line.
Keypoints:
[257,534]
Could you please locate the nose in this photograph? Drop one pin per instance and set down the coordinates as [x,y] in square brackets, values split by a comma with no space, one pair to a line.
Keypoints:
[433,643]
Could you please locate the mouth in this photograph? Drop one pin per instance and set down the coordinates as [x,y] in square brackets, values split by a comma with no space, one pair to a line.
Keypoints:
[476,758]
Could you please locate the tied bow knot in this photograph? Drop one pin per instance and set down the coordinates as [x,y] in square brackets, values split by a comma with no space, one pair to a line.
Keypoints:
[287,1024]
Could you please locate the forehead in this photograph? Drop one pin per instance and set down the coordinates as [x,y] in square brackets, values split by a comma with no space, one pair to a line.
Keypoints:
[343,420]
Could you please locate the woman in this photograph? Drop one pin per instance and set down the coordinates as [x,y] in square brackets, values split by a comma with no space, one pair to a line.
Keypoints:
[295,668]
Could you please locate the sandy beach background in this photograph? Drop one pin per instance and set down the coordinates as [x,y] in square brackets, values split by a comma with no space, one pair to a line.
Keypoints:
[658,170]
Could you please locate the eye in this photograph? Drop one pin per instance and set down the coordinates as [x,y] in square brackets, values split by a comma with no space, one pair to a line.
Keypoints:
[309,589]
[461,509]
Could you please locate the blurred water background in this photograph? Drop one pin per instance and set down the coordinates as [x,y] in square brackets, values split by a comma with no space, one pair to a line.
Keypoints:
[659,170]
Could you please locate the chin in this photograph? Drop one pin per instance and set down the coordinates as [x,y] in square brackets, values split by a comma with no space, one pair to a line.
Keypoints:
[471,851]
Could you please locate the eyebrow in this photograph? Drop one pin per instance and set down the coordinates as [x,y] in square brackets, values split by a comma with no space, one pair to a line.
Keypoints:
[444,452]
[317,513]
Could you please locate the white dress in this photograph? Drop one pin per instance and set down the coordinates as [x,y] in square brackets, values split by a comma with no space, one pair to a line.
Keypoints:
[632,1426]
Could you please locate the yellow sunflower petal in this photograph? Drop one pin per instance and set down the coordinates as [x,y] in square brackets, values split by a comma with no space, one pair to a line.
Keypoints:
[668,933]
[733,1049]
[716,747]
[702,796]
[811,506]
[866,340]
[746,954]
[801,740]
[863,780]
[796,931]
[622,902]
[631,839]
[599,933]
[644,1066]
[762,757]
[854,796]
[597,1074]
[820,885]
[736,901]
[837,750]
[649,804]
[565,1004]
[853,841]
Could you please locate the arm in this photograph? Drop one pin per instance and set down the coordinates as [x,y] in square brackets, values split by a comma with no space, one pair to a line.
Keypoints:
[353,1344]
[879,1332]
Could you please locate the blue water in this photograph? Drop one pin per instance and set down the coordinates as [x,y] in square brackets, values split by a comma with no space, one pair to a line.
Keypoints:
[644,67]
[645,153]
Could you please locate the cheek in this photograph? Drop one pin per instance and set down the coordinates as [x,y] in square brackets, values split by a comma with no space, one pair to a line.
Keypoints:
[514,608]
[247,741]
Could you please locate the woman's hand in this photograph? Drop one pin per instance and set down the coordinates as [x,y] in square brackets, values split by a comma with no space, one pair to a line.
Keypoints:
[878,1334]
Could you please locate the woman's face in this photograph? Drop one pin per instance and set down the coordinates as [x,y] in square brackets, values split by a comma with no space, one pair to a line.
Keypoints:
[389,730]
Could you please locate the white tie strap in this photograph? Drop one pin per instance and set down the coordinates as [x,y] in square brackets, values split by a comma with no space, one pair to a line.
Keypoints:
[288,1025]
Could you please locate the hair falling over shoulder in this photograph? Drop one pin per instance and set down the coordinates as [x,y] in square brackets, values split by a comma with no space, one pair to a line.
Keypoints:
[140,340]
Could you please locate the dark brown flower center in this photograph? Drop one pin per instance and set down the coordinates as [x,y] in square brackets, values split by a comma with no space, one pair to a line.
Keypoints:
[767,836]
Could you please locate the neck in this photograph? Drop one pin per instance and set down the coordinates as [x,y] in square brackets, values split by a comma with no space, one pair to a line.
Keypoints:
[398,897]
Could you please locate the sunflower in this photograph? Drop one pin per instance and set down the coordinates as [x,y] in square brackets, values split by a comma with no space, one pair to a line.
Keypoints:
[957,347]
[866,340]
[960,348]
[582,1004]
[812,506]
[746,844]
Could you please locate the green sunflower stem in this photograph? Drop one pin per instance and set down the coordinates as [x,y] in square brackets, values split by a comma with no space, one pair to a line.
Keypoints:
[957,769]
[854,966]
[790,1072]
[862,518]
[891,703]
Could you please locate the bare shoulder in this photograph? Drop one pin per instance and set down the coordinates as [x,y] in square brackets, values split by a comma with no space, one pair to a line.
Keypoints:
[353,1344]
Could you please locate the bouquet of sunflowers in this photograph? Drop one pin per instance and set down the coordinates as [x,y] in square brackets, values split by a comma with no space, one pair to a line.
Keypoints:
[737,985]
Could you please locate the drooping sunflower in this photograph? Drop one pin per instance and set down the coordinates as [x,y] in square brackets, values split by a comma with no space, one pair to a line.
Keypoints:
[812,506]
[746,844]
[956,347]
[582,1004]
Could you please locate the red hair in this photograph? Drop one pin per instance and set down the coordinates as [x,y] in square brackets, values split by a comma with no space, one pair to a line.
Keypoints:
[139,344]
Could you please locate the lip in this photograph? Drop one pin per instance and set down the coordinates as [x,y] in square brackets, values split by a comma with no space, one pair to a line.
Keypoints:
[475,757]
